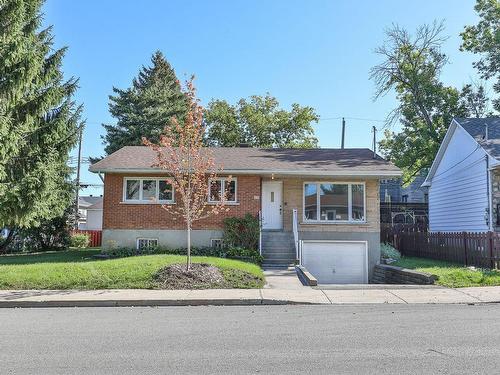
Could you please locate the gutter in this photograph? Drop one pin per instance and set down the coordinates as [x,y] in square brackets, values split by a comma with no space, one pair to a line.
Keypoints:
[375,173]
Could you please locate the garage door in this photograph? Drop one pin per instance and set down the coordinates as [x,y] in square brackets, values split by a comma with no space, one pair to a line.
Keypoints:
[336,262]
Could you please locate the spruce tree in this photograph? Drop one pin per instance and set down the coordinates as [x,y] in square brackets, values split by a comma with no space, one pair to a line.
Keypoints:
[38,119]
[144,109]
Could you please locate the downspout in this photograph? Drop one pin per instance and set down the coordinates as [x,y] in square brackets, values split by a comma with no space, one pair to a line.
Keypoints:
[489,194]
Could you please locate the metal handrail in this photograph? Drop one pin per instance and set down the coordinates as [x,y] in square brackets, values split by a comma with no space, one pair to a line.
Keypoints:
[295,228]
[260,232]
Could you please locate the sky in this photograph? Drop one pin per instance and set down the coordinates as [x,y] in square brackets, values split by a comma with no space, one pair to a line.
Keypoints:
[315,53]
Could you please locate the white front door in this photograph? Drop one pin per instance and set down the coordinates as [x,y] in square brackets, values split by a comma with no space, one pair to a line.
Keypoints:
[272,212]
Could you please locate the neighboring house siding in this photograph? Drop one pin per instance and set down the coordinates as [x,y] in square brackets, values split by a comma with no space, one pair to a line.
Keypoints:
[458,197]
[414,192]
[94,220]
[119,215]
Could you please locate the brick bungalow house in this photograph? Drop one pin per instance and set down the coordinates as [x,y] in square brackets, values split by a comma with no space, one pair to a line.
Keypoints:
[318,206]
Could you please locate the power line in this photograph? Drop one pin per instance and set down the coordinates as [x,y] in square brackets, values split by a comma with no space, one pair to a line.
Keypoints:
[461,161]
[349,118]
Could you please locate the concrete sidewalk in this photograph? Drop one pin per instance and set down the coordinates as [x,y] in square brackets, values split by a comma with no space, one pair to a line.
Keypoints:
[349,294]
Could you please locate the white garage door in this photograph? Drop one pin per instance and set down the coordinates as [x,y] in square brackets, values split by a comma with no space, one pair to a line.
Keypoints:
[336,262]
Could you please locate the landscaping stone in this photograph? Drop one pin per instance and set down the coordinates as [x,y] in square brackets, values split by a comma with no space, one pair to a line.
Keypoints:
[386,274]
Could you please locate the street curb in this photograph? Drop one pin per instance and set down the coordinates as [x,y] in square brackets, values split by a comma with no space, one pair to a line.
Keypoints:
[149,303]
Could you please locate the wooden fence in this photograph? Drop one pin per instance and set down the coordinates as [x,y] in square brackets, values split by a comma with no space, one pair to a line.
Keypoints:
[95,236]
[469,249]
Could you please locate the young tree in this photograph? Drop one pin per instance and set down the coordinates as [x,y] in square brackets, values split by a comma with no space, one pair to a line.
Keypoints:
[143,109]
[411,68]
[38,120]
[189,166]
[260,122]
[484,38]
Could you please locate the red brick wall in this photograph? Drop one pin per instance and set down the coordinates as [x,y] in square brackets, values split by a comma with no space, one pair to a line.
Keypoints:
[119,215]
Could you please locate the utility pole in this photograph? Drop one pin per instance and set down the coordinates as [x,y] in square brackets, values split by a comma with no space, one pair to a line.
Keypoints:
[343,133]
[78,174]
[374,130]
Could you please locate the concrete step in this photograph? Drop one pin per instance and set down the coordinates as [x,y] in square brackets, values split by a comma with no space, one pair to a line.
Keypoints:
[278,248]
[278,262]
[268,256]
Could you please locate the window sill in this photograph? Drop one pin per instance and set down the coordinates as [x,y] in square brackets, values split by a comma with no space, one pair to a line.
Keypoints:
[334,223]
[225,204]
[145,202]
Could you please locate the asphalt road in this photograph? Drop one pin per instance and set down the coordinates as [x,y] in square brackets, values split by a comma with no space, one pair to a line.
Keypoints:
[419,339]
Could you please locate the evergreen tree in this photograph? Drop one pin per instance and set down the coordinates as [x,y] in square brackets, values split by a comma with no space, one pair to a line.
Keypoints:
[38,119]
[144,109]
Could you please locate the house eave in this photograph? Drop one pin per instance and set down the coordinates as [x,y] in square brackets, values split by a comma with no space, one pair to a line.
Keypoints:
[309,173]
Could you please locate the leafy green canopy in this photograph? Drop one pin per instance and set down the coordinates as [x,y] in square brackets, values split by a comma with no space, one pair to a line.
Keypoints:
[411,68]
[484,38]
[144,109]
[38,119]
[259,122]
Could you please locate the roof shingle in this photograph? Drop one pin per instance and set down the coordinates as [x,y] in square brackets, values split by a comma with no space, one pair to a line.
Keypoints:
[247,159]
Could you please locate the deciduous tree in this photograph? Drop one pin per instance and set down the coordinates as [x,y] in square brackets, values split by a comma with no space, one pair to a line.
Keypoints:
[484,39]
[189,166]
[411,67]
[260,122]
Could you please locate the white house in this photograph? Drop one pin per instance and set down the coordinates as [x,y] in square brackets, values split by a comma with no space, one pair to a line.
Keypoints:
[464,179]
[90,213]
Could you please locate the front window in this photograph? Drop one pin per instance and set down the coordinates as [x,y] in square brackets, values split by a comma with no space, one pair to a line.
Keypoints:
[334,202]
[148,190]
[217,186]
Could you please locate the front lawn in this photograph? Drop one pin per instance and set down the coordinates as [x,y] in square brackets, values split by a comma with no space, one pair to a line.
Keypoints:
[75,269]
[451,274]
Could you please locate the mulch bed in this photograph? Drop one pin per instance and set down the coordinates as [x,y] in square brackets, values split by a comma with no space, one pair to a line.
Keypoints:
[200,276]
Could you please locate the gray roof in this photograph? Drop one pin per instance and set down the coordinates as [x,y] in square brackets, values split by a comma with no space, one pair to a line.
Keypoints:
[96,206]
[353,161]
[87,201]
[476,127]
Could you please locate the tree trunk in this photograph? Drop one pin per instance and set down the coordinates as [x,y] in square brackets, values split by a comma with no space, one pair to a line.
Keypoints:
[6,242]
[188,264]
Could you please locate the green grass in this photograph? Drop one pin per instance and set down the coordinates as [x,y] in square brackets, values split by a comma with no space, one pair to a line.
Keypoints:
[451,274]
[75,269]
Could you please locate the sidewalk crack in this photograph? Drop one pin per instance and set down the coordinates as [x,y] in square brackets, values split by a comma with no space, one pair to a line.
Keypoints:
[467,294]
[329,300]
[395,295]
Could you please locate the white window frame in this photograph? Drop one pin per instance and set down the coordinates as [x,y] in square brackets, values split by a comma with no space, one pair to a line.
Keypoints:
[145,239]
[349,202]
[141,200]
[223,188]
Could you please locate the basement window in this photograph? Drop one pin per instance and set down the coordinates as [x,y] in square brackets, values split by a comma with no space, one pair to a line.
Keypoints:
[146,243]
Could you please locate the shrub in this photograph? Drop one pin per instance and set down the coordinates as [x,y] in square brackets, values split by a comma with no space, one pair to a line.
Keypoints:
[53,234]
[240,252]
[229,252]
[80,240]
[389,252]
[242,232]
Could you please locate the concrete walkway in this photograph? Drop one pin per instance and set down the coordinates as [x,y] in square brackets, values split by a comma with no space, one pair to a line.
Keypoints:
[271,295]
